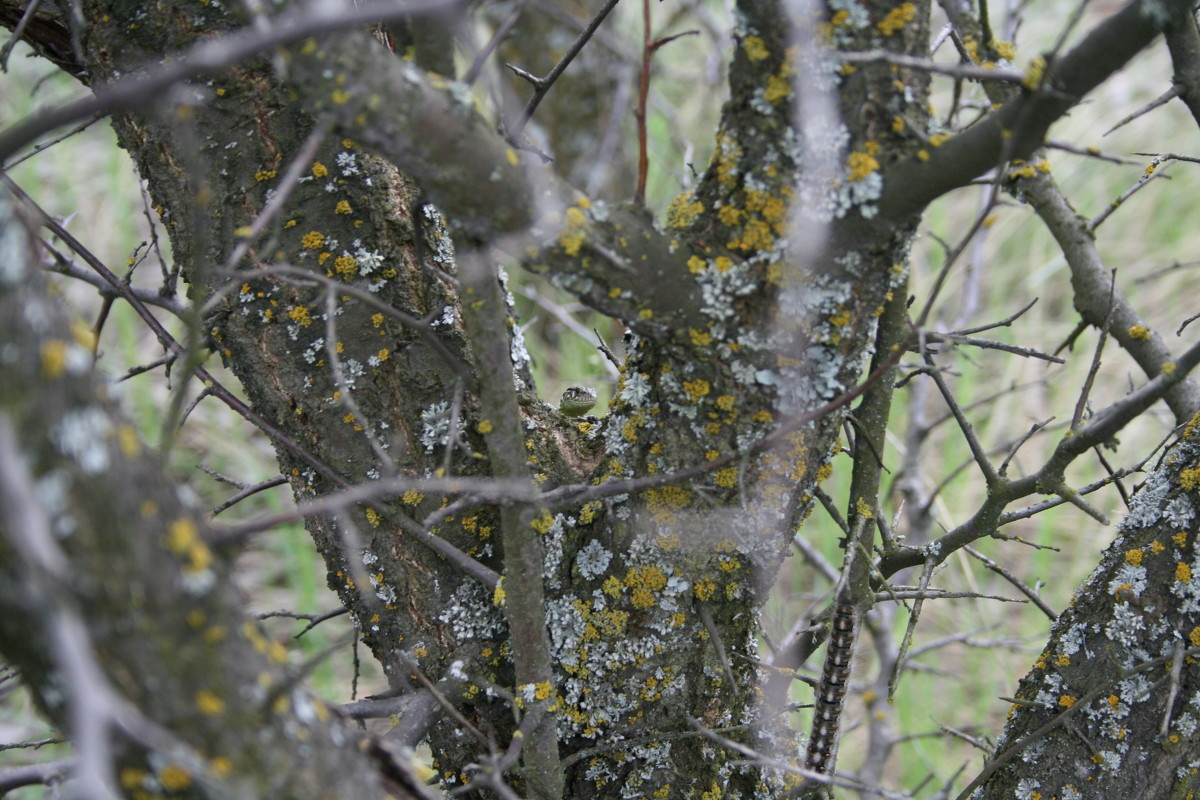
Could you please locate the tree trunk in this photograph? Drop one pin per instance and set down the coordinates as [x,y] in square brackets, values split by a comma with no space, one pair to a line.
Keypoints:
[374,354]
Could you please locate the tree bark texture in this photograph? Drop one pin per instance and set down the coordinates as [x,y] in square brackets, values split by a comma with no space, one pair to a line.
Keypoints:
[365,361]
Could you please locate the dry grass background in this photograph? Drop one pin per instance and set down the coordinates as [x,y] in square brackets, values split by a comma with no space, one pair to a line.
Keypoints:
[88,182]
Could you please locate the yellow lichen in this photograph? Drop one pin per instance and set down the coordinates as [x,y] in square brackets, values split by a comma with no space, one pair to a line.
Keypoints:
[572,237]
[208,703]
[1035,74]
[54,358]
[756,49]
[860,165]
[543,522]
[174,778]
[697,388]
[683,211]
[896,19]
[301,316]
[1189,479]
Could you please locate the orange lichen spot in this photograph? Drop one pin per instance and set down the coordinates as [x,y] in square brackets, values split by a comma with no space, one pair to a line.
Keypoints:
[763,416]
[1035,74]
[896,19]
[485,426]
[696,265]
[543,522]
[1135,556]
[208,703]
[343,207]
[697,388]
[923,155]
[1066,701]
[700,338]
[778,88]
[264,175]
[313,240]
[668,542]
[301,315]
[726,478]
[683,211]
[756,49]
[54,358]
[572,236]
[705,588]
[1189,479]
[1180,538]
[184,540]
[373,517]
[725,402]
[412,497]
[346,266]
[319,170]
[612,587]
[340,96]
[730,215]
[1183,572]
[1062,660]
[939,139]
[1139,333]
[860,165]
[723,263]
[174,778]
[1157,547]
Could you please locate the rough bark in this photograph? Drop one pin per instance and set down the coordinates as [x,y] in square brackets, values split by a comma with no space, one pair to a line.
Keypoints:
[651,595]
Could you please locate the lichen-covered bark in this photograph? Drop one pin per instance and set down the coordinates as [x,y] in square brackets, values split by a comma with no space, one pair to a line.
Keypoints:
[92,533]
[651,595]
[1120,670]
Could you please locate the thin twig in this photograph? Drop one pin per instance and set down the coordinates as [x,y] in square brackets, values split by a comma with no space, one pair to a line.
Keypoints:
[1151,172]
[542,85]
[1081,403]
[1162,99]
[968,71]
[1032,594]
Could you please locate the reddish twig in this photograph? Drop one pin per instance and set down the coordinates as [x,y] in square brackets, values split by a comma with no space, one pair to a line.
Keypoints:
[648,47]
